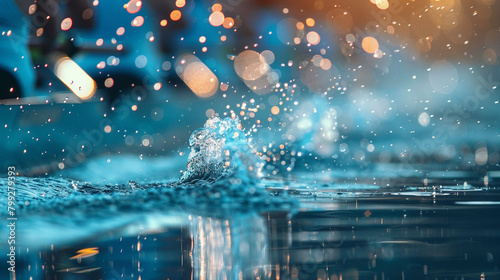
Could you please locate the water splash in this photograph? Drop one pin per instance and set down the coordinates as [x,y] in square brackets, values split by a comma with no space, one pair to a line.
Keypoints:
[219,150]
[220,182]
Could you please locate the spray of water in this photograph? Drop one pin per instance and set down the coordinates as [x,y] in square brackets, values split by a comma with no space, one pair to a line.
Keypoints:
[220,150]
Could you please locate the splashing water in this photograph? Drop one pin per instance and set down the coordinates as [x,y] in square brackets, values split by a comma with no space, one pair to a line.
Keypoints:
[221,178]
[218,150]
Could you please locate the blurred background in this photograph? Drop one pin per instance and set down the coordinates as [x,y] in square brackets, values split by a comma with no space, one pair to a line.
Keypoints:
[318,85]
[378,121]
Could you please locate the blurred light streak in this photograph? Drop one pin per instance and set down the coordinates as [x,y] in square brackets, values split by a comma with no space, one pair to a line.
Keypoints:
[85,253]
[73,76]
[197,76]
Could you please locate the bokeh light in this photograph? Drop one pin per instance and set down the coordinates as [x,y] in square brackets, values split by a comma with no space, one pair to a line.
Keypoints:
[141,61]
[275,110]
[370,44]
[249,66]
[216,19]
[120,31]
[66,24]
[196,75]
[313,38]
[180,3]
[73,76]
[109,82]
[310,22]
[137,21]
[133,6]
[228,22]
[216,7]
[175,15]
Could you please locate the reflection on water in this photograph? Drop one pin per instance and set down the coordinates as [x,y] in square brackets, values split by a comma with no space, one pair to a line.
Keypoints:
[414,232]
[202,248]
[229,249]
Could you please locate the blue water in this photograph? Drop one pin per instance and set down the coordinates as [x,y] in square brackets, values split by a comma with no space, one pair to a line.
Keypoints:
[223,220]
[288,229]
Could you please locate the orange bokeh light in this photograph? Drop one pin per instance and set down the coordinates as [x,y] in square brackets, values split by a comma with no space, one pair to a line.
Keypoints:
[216,7]
[175,15]
[310,22]
[370,44]
[228,22]
[180,3]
